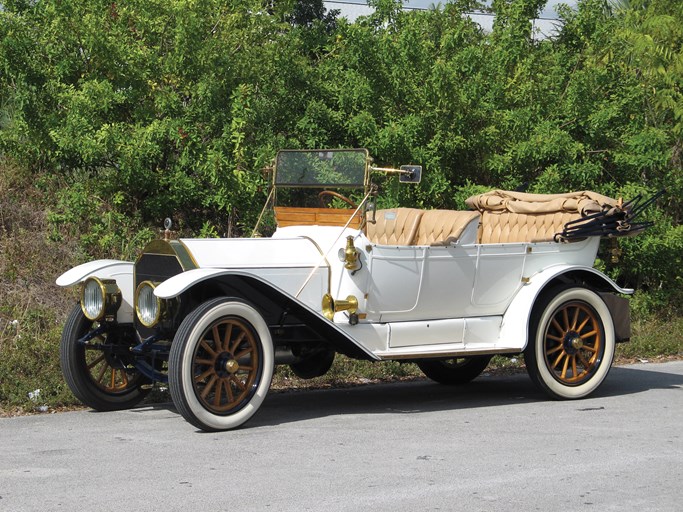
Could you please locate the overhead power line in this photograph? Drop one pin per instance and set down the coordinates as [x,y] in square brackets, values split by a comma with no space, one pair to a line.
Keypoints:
[418,8]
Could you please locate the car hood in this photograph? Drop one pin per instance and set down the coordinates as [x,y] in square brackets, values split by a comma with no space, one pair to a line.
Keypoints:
[245,253]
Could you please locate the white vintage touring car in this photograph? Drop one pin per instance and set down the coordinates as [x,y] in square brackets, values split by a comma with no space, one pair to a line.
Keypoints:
[446,289]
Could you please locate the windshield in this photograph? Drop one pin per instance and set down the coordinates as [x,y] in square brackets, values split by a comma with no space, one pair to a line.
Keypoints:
[321,168]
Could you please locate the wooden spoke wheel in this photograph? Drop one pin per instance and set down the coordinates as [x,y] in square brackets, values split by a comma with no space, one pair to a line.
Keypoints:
[574,343]
[571,342]
[226,365]
[100,372]
[221,364]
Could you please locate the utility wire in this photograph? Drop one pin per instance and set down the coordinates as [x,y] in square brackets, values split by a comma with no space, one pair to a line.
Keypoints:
[416,8]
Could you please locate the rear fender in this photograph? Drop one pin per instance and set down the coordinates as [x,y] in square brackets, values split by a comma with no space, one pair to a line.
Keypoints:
[121,271]
[515,326]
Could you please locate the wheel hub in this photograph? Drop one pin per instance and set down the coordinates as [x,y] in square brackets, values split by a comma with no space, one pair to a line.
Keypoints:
[572,342]
[225,365]
[231,366]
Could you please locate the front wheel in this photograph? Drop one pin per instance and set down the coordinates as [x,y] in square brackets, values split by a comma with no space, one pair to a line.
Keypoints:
[460,370]
[97,365]
[221,364]
[571,343]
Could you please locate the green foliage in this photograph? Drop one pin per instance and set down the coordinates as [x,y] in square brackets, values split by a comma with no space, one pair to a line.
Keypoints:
[30,359]
[146,110]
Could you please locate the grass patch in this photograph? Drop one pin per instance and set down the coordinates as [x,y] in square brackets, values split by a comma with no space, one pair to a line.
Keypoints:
[653,339]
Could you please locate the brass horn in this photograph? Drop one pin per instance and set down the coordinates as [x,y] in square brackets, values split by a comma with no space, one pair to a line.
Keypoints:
[331,306]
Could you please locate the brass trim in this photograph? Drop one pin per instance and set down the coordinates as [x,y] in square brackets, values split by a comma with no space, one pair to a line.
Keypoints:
[159,246]
[184,255]
[111,297]
[170,248]
[351,255]
[158,315]
[331,306]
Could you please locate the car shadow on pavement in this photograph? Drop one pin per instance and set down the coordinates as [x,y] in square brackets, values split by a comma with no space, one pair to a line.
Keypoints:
[421,396]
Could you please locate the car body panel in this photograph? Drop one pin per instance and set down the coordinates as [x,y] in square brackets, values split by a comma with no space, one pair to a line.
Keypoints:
[252,252]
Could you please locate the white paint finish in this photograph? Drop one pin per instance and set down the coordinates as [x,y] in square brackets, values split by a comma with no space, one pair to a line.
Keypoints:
[439,350]
[120,271]
[469,234]
[515,325]
[463,298]
[433,332]
[287,280]
[482,332]
[498,274]
[395,278]
[373,337]
[546,254]
[253,252]
[448,279]
[98,267]
[327,237]
[501,268]
[409,283]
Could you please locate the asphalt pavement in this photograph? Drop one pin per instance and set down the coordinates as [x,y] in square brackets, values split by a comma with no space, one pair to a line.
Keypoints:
[495,444]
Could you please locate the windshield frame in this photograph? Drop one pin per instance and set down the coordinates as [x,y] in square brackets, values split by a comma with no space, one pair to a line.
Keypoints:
[296,158]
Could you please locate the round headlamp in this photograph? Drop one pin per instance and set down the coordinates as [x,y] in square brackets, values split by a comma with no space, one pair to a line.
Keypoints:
[99,298]
[147,305]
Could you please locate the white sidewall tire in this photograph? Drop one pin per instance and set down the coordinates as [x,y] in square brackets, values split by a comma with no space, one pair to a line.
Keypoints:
[547,379]
[183,392]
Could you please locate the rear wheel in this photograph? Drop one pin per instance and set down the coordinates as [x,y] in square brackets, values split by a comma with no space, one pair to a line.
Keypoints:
[221,364]
[459,370]
[315,364]
[571,342]
[99,371]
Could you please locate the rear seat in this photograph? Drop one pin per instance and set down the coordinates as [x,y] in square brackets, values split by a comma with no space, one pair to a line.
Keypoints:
[505,227]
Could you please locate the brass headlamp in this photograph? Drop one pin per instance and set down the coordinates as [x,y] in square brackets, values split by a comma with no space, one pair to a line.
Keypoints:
[100,298]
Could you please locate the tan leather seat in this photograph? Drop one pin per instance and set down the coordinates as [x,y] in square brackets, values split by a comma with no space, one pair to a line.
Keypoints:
[500,228]
[443,227]
[397,226]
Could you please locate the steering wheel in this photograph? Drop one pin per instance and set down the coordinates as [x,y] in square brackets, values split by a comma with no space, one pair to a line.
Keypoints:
[322,198]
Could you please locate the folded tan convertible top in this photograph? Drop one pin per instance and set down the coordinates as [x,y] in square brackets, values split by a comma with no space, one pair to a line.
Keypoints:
[584,202]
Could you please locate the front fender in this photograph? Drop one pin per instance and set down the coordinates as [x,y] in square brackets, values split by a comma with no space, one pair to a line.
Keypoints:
[515,326]
[121,271]
[177,284]
[264,287]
